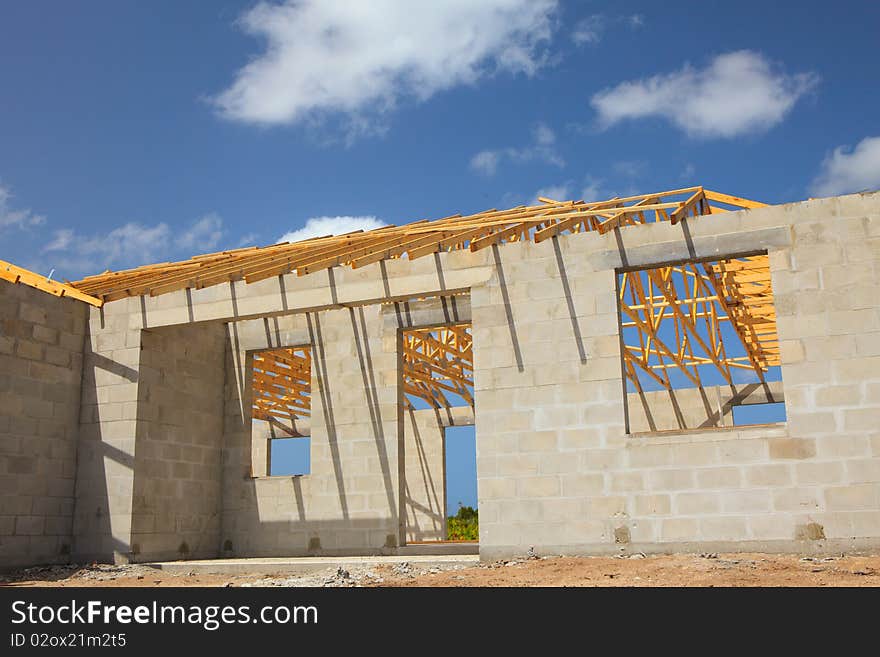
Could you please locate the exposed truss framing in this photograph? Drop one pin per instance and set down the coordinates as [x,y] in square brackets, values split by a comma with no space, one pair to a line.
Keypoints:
[414,240]
[13,274]
[679,310]
[747,296]
[438,362]
[282,381]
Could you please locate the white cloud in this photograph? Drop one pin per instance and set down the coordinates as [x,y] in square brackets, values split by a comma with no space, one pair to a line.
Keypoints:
[247,240]
[629,168]
[850,170]
[556,192]
[588,30]
[542,148]
[62,240]
[591,30]
[544,136]
[592,190]
[358,59]
[130,245]
[10,218]
[688,171]
[738,93]
[203,236]
[321,226]
[486,162]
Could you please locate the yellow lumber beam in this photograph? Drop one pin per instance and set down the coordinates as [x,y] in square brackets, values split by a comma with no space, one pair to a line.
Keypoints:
[14,274]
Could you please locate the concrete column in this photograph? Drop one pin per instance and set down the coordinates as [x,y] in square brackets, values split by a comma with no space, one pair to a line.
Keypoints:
[107,435]
[548,386]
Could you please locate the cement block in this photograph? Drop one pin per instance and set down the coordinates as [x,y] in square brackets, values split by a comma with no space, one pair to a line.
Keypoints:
[792,448]
[696,503]
[857,496]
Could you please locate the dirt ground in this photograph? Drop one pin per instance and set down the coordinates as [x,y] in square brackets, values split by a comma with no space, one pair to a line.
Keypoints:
[664,570]
[750,569]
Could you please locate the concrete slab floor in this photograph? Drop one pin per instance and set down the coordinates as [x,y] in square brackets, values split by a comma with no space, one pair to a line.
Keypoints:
[306,565]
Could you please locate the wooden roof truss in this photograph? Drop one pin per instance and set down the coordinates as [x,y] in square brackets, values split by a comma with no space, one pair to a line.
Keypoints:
[282,382]
[695,298]
[678,312]
[438,365]
[413,240]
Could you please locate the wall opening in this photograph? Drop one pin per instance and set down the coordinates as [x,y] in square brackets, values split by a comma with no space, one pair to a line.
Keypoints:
[281,410]
[462,510]
[437,383]
[438,367]
[699,345]
[290,456]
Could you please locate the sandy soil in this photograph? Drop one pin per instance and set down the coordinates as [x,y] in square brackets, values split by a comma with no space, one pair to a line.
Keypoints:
[637,570]
[107,575]
[663,570]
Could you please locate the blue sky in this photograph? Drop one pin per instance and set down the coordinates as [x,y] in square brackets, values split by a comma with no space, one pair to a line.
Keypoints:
[133,132]
[461,468]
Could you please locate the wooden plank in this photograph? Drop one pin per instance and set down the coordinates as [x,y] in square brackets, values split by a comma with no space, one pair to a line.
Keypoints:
[15,274]
[734,200]
[690,204]
[615,219]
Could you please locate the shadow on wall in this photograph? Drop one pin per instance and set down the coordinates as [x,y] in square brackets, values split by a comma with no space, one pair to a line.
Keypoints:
[325,512]
[301,538]
[165,466]
[105,464]
[424,491]
[148,484]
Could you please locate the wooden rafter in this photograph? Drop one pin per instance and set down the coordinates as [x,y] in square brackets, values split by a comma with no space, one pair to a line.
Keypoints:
[282,381]
[678,312]
[13,274]
[414,240]
[438,361]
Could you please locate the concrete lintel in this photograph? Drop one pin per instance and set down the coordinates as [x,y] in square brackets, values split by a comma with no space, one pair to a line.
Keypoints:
[683,248]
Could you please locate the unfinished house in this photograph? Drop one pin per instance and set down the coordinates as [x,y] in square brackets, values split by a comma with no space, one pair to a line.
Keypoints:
[677,371]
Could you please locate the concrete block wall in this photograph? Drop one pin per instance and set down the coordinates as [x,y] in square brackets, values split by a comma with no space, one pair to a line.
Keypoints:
[176,497]
[827,288]
[107,434]
[350,501]
[549,399]
[41,340]
[556,468]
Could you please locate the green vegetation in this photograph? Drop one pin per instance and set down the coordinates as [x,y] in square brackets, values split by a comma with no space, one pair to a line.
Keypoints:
[464,525]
